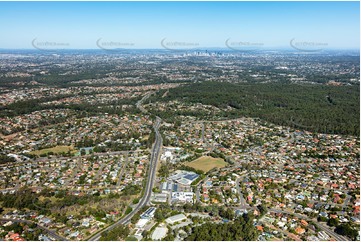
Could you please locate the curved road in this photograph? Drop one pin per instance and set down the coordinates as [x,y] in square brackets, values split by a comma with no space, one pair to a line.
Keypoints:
[150,182]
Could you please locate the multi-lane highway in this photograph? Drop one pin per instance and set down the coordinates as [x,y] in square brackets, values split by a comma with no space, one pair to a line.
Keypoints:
[140,102]
[156,149]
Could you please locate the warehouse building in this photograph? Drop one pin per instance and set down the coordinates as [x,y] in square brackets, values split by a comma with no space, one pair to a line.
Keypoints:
[175,218]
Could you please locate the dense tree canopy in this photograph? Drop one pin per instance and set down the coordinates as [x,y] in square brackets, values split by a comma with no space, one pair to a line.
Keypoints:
[116,234]
[241,229]
[319,108]
[5,159]
[347,230]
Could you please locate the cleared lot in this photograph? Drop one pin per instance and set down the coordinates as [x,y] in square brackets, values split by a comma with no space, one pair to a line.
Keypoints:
[206,163]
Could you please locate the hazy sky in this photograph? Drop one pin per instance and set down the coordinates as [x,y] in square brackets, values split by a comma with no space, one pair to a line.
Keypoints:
[206,24]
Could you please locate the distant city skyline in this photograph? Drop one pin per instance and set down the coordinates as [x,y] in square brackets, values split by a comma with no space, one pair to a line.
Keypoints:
[178,25]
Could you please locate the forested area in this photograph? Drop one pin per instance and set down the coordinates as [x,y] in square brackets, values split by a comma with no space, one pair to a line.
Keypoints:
[347,230]
[25,198]
[241,229]
[118,233]
[317,108]
[28,106]
[5,159]
[59,203]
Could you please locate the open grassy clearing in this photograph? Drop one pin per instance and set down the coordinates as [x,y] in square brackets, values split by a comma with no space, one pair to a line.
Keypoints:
[56,150]
[206,163]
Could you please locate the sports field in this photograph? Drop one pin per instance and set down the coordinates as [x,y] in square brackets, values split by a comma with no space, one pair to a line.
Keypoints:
[206,163]
[56,150]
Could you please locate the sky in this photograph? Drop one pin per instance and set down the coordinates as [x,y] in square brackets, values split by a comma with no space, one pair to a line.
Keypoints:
[92,25]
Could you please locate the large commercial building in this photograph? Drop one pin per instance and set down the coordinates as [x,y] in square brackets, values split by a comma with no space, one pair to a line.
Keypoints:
[184,177]
[141,223]
[149,213]
[175,218]
[182,196]
[159,233]
[159,197]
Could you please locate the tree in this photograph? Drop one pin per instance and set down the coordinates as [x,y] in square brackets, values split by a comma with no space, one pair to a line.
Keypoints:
[5,159]
[346,230]
[332,222]
[262,209]
[241,229]
[164,170]
[116,234]
[322,219]
[129,209]
[226,213]
[82,152]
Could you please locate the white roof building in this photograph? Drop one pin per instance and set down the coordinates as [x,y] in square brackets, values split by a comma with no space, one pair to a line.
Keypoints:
[141,223]
[182,196]
[160,197]
[168,154]
[159,233]
[175,218]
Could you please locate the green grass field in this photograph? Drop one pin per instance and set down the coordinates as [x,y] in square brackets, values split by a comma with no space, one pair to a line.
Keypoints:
[206,163]
[56,150]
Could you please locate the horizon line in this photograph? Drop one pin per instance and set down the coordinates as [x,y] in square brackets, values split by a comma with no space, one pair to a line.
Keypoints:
[184,49]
